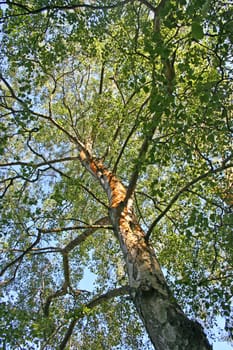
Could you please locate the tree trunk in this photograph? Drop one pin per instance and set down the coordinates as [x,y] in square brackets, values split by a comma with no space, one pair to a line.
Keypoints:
[165,322]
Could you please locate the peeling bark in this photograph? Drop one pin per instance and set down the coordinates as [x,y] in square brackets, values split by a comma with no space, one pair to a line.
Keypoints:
[165,322]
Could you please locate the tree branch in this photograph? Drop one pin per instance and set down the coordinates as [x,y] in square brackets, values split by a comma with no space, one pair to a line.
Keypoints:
[20,258]
[148,5]
[27,179]
[93,303]
[64,288]
[135,174]
[140,159]
[31,11]
[181,191]
[123,148]
[68,334]
[37,165]
[152,7]
[155,205]
[94,196]
[101,223]
[119,89]
[101,79]
[129,135]
[72,138]
[66,271]
[7,186]
[72,228]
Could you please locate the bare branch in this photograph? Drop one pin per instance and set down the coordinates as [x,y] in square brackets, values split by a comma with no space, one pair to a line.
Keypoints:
[148,5]
[101,79]
[154,203]
[207,200]
[156,10]
[37,251]
[9,87]
[208,161]
[135,174]
[139,210]
[12,179]
[119,89]
[125,290]
[50,298]
[73,228]
[72,138]
[123,148]
[7,186]
[71,245]
[37,165]
[33,11]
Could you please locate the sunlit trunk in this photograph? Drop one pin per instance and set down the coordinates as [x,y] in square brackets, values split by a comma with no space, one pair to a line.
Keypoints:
[165,322]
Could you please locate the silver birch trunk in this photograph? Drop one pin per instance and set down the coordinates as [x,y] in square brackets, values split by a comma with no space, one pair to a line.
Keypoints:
[165,322]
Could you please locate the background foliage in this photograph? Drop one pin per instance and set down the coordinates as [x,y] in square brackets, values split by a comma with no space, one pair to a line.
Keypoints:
[112,73]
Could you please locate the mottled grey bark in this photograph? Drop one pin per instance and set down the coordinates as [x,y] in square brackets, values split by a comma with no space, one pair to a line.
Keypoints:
[165,322]
[166,325]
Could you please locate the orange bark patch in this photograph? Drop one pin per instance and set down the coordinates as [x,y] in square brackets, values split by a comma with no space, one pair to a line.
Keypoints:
[118,191]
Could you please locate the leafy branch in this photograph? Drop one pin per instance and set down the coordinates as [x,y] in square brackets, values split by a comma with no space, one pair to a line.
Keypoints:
[8,182]
[133,129]
[66,286]
[152,7]
[66,7]
[181,191]
[63,290]
[19,260]
[141,157]
[93,303]
[33,11]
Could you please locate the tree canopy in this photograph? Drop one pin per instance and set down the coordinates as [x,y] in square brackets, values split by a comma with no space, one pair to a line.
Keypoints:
[145,88]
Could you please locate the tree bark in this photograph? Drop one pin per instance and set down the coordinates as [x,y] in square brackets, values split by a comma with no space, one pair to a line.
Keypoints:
[165,322]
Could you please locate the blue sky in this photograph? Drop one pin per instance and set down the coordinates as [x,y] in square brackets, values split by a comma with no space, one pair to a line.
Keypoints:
[222,346]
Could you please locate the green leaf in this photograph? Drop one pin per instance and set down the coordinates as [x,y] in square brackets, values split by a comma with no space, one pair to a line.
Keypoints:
[146,88]
[197,30]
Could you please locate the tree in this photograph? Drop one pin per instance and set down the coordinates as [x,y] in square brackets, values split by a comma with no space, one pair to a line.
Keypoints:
[116,158]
